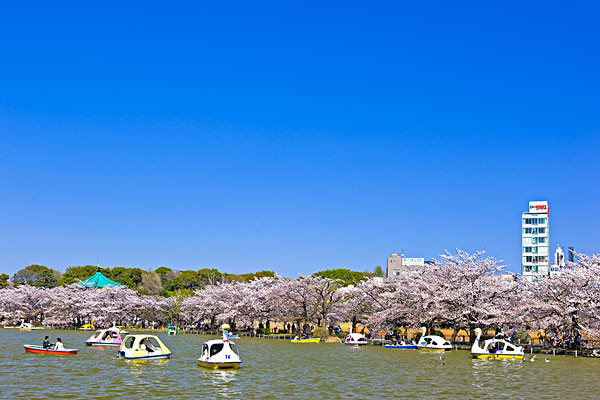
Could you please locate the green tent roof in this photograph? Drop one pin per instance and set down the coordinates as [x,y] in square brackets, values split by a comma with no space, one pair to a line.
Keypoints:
[98,280]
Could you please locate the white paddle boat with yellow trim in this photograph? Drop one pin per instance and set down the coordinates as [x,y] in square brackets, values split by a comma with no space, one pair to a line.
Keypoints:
[220,353]
[496,349]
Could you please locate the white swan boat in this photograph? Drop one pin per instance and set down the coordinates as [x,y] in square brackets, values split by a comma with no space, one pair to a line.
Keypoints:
[26,326]
[355,339]
[220,353]
[496,349]
[433,342]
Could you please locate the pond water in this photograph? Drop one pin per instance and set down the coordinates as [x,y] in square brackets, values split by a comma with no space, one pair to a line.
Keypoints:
[273,369]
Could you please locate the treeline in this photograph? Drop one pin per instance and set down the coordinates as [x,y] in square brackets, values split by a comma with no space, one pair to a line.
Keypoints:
[163,281]
[462,292]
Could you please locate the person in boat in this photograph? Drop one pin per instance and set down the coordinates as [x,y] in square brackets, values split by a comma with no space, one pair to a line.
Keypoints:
[146,345]
[59,345]
[46,344]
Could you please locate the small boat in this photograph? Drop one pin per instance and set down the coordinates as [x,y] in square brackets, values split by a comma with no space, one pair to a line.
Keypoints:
[171,330]
[402,346]
[496,349]
[32,348]
[221,353]
[26,326]
[356,339]
[143,347]
[105,337]
[307,340]
[433,342]
[122,330]
[87,327]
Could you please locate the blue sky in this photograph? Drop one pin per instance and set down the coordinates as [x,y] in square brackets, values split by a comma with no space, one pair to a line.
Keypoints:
[294,137]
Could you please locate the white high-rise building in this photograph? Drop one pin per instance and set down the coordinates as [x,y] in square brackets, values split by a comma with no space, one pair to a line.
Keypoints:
[559,262]
[536,241]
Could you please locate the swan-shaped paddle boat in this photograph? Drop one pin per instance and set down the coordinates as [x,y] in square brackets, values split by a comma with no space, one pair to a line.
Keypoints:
[105,337]
[142,347]
[171,330]
[32,348]
[26,326]
[220,353]
[355,339]
[433,342]
[87,327]
[496,349]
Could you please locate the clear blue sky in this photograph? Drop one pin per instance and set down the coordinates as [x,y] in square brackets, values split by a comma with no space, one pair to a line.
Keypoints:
[294,137]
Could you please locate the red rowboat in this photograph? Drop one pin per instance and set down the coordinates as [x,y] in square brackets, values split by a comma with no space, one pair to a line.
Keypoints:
[31,348]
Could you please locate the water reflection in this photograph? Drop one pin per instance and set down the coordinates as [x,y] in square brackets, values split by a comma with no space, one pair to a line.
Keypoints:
[221,382]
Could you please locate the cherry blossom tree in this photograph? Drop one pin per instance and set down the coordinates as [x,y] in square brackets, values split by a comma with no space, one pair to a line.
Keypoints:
[569,303]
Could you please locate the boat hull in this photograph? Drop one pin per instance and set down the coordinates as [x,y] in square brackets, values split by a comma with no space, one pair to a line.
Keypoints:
[433,349]
[315,340]
[401,347]
[102,344]
[41,350]
[219,365]
[356,344]
[158,357]
[487,356]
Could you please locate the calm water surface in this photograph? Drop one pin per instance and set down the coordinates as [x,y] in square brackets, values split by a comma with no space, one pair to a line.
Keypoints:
[274,369]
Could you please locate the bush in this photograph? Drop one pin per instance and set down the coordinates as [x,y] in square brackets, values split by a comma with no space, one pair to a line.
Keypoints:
[438,333]
[319,332]
[524,337]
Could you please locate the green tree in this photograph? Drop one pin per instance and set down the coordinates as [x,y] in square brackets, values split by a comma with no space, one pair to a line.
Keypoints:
[210,276]
[4,280]
[189,280]
[344,276]
[36,275]
[378,271]
[130,277]
[253,275]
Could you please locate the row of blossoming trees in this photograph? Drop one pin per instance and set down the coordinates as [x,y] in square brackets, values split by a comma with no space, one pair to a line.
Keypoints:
[461,291]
